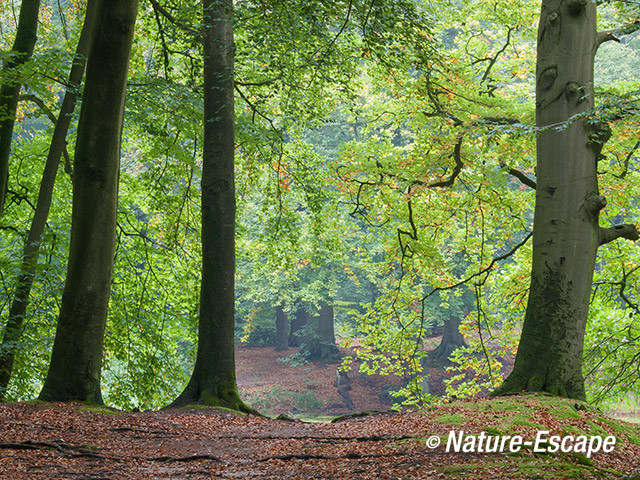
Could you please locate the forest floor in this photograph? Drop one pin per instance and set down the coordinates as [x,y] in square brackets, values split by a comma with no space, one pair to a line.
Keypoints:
[76,442]
[274,385]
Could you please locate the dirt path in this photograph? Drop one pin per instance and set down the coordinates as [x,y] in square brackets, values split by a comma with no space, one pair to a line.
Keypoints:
[69,441]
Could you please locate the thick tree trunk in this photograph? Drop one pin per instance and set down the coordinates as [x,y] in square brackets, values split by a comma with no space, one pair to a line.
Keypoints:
[281,343]
[23,45]
[76,360]
[566,232]
[13,328]
[452,339]
[213,381]
[298,322]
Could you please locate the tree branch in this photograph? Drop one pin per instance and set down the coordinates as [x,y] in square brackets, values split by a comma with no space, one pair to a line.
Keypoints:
[628,231]
[456,170]
[162,11]
[520,176]
[612,35]
[47,111]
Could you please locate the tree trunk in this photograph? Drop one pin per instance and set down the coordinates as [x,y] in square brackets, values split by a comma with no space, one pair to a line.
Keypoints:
[213,381]
[298,322]
[566,232]
[321,344]
[452,339]
[13,328]
[76,360]
[281,330]
[22,49]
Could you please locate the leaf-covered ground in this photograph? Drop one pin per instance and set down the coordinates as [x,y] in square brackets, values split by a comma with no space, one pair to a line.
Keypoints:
[71,441]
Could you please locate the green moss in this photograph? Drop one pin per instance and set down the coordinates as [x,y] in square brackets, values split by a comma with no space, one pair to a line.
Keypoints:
[99,409]
[454,419]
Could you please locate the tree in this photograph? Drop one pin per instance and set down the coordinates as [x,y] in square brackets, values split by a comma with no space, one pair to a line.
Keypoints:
[21,51]
[213,380]
[567,233]
[281,343]
[321,342]
[452,340]
[76,359]
[13,327]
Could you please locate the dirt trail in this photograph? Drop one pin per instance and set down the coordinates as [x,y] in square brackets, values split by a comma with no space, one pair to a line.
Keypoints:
[70,441]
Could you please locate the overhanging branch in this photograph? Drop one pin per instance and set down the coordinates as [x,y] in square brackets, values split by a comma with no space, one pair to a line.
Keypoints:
[612,35]
[627,230]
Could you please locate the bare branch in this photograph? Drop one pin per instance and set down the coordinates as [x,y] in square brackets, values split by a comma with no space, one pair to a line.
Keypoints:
[162,11]
[628,231]
[524,179]
[485,271]
[457,149]
[612,35]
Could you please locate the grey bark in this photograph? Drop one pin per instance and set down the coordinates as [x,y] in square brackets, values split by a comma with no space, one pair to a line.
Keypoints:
[566,231]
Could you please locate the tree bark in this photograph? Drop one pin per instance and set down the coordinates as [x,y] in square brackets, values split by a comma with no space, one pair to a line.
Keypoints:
[76,360]
[213,381]
[566,231]
[298,322]
[26,36]
[13,327]
[281,343]
[322,345]
[452,339]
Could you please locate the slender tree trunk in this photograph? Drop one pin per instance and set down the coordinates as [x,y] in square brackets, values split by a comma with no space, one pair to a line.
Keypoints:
[76,360]
[566,232]
[13,328]
[281,330]
[22,49]
[452,339]
[213,381]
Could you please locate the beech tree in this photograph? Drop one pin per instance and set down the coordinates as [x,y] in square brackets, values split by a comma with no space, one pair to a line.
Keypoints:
[567,233]
[76,359]
[213,380]
[21,52]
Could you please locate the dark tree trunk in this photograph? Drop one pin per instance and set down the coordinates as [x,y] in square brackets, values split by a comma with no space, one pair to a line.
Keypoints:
[566,231]
[23,45]
[321,344]
[13,328]
[452,339]
[281,329]
[213,381]
[298,322]
[76,360]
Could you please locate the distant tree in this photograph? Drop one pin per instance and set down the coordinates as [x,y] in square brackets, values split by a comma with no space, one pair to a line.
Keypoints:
[320,341]
[14,325]
[76,360]
[567,233]
[281,343]
[452,339]
[213,380]
[21,51]
[298,322]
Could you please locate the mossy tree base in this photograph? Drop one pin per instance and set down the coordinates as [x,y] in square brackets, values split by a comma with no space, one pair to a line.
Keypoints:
[213,392]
